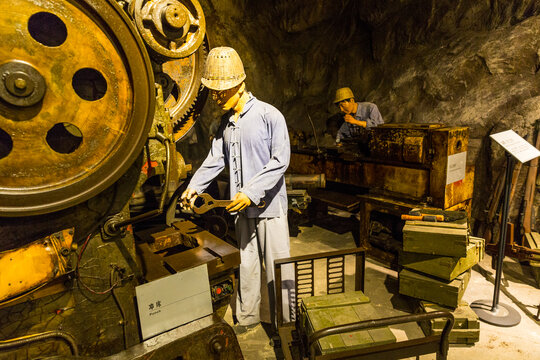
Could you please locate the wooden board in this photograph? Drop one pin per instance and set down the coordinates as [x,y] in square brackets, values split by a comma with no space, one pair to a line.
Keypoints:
[435,238]
[333,300]
[466,328]
[444,267]
[349,307]
[533,241]
[428,288]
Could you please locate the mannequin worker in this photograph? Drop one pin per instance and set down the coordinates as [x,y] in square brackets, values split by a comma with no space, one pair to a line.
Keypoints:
[356,115]
[253,142]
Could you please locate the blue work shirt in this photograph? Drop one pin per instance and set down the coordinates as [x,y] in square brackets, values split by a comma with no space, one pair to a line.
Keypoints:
[367,112]
[256,149]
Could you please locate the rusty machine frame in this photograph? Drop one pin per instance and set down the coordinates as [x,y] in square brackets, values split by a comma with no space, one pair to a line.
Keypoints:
[94,96]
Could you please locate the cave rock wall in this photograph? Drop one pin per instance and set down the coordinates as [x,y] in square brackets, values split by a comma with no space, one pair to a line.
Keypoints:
[472,63]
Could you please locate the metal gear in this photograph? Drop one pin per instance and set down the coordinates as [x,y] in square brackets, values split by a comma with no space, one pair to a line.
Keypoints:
[71,124]
[182,90]
[171,28]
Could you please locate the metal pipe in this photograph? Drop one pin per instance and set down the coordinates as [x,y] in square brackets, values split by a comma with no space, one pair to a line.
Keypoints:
[502,238]
[340,329]
[68,338]
[306,181]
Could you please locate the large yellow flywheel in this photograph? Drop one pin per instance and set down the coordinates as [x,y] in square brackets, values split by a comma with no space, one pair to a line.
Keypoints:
[76,101]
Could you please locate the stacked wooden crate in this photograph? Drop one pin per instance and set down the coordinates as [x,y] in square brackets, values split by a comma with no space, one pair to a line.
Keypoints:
[437,259]
[321,312]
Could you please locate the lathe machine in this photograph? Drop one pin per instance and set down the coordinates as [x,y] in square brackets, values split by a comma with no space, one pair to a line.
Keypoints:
[94,96]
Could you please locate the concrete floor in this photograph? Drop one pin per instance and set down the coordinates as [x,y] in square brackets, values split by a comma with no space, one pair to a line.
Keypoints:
[518,290]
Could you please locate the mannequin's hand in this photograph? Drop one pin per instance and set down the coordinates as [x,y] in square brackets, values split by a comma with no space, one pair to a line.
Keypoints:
[349,118]
[240,201]
[188,198]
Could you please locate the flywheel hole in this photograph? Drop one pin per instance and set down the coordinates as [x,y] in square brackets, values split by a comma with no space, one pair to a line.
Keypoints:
[47,29]
[6,144]
[89,84]
[64,138]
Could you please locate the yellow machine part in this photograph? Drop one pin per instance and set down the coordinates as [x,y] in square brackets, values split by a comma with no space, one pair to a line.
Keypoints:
[28,268]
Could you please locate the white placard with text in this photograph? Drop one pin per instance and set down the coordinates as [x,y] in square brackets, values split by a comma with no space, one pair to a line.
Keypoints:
[455,168]
[517,146]
[166,303]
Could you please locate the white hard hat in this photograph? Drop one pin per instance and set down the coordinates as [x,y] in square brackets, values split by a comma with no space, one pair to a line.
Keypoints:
[223,69]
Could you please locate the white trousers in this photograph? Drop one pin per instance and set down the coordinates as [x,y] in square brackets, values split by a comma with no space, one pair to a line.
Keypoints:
[261,241]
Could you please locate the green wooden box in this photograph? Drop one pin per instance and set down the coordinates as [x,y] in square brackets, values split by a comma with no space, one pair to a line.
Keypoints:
[424,287]
[320,312]
[444,267]
[466,328]
[436,238]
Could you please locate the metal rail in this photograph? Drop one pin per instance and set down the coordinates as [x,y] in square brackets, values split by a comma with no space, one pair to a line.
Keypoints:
[394,348]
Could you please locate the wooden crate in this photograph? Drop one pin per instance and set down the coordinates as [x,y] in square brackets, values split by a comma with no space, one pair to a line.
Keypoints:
[466,328]
[444,267]
[436,238]
[321,312]
[424,287]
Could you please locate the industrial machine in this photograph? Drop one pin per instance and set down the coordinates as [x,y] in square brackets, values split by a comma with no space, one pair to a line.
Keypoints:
[391,170]
[94,96]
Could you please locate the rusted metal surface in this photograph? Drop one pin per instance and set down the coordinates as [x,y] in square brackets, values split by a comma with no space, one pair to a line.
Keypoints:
[169,238]
[171,28]
[218,254]
[183,92]
[207,338]
[101,317]
[204,248]
[27,268]
[108,114]
[77,103]
[184,246]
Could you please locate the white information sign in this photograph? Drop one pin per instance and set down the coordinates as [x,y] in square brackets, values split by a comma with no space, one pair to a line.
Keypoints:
[174,300]
[455,168]
[516,145]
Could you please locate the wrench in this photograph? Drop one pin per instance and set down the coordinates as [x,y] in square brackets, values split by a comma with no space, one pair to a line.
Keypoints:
[209,203]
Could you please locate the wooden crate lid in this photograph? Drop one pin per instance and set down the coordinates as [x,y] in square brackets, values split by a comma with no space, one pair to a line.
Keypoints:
[332,300]
[321,318]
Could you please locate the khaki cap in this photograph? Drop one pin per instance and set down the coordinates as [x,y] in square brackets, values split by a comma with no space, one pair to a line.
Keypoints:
[343,94]
[223,69]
